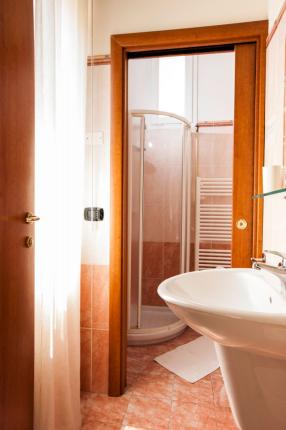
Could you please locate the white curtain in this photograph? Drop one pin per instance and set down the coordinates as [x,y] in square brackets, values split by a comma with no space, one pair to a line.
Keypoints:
[60,61]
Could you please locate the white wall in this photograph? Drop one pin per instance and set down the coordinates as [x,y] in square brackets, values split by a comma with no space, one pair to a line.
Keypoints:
[127,16]
[167,84]
[274,7]
[140,95]
[95,241]
[274,223]
[216,87]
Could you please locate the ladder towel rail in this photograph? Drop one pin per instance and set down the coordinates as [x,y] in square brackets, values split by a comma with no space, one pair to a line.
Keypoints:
[213,223]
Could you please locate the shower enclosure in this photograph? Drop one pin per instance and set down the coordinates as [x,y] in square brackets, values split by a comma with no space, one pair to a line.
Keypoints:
[161,178]
[180,211]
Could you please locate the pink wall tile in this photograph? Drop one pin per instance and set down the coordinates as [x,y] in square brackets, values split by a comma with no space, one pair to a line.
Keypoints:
[215,155]
[100,349]
[85,359]
[192,257]
[162,185]
[152,259]
[160,261]
[153,223]
[94,328]
[100,298]
[85,295]
[149,292]
[171,259]
[94,296]
[154,178]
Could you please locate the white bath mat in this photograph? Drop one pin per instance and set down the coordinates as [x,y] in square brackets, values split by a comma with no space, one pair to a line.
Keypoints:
[191,361]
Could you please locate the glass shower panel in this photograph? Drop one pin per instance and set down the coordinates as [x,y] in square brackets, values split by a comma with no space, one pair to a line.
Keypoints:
[162,204]
[136,128]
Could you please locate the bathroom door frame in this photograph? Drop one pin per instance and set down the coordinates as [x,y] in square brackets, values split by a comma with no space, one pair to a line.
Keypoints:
[248,40]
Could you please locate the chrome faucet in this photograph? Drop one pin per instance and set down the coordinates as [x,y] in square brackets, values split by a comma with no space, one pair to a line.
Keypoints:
[282,263]
[260,263]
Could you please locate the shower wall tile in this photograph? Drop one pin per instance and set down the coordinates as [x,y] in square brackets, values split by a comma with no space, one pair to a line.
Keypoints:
[171,216]
[100,298]
[215,155]
[153,222]
[174,148]
[171,259]
[154,178]
[172,220]
[152,259]
[215,245]
[192,257]
[172,185]
[208,170]
[157,153]
[150,296]
[162,184]
[100,350]
[85,359]
[160,261]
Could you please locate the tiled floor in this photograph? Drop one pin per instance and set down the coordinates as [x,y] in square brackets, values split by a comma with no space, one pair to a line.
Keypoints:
[156,399]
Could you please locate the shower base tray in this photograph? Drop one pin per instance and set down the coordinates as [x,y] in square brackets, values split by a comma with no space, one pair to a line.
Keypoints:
[158,324]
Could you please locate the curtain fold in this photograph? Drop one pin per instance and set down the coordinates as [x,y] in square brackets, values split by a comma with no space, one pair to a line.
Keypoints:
[60,63]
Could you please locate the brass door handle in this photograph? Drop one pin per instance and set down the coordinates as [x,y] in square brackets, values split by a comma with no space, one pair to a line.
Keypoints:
[30,218]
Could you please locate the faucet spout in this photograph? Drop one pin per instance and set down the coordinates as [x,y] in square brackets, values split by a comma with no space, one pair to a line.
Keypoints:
[261,265]
[278,270]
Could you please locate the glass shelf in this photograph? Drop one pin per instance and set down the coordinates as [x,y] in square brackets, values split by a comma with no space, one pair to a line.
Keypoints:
[270,193]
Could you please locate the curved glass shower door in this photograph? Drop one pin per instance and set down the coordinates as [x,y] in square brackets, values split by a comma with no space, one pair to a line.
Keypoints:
[159,214]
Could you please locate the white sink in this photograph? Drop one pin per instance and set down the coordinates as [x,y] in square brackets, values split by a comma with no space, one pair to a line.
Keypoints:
[244,312]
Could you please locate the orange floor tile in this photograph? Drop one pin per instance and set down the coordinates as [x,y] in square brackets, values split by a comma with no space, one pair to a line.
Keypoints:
[156,399]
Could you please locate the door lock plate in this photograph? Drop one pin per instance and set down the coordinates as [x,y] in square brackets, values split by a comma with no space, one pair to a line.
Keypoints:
[29,241]
[241,224]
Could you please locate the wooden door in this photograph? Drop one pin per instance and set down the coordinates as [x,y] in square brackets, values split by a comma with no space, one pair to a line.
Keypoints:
[245,223]
[16,198]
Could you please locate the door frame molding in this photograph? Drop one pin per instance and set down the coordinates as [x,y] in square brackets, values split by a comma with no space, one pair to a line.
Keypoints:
[122,47]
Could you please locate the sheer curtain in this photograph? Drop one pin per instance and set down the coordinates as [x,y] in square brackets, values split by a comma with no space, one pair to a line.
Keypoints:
[60,56]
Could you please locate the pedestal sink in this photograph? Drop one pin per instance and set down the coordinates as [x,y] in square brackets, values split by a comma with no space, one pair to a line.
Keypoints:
[244,312]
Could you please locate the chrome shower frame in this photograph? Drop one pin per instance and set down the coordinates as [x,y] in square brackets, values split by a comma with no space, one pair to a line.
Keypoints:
[189,128]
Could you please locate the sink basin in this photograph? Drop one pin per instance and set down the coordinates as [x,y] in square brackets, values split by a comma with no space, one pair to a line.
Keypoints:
[244,312]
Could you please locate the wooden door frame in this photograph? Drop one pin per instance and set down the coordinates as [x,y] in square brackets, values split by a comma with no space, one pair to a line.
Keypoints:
[122,46]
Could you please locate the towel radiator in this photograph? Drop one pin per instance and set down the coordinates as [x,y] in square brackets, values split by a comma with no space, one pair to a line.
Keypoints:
[213,223]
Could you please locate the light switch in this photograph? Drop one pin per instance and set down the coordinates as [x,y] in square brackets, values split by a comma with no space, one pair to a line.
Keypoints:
[95,138]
